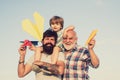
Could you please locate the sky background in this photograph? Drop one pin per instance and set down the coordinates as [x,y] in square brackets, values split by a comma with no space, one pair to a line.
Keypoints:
[85,15]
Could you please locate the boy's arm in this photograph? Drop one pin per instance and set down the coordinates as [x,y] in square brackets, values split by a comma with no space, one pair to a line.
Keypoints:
[38,53]
[55,54]
[61,67]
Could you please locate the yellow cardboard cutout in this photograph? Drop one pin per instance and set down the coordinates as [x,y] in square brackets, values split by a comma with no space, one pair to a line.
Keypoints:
[35,30]
[92,35]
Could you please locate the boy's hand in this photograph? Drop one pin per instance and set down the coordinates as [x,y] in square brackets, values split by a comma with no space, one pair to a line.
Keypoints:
[32,47]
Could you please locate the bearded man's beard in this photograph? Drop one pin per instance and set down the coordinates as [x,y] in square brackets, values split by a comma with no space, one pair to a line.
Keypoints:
[48,49]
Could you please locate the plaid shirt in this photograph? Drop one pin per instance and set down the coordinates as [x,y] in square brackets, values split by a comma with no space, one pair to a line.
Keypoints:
[77,64]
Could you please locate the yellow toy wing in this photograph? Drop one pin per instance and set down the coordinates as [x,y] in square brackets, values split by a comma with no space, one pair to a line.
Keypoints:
[39,24]
[28,26]
[36,30]
[92,35]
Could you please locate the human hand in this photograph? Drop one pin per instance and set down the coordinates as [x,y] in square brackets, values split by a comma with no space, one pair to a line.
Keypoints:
[67,29]
[32,47]
[91,44]
[22,50]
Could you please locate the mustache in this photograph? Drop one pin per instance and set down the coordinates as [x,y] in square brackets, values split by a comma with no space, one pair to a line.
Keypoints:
[49,44]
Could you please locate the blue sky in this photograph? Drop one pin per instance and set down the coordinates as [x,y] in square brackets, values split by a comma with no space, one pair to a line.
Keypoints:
[85,15]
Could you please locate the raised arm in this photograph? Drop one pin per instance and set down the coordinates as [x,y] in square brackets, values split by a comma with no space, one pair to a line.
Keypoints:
[94,58]
[23,69]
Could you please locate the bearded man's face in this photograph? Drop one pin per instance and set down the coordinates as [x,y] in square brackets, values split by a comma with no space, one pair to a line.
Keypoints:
[48,48]
[48,44]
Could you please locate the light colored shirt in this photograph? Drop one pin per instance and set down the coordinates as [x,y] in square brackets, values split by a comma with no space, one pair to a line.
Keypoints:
[42,75]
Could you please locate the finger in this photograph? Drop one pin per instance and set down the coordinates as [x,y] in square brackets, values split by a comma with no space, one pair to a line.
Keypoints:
[23,48]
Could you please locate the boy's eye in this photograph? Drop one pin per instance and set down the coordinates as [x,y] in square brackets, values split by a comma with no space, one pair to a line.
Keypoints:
[52,23]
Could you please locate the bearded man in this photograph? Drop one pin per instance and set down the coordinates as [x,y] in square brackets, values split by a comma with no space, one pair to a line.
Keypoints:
[43,69]
[77,58]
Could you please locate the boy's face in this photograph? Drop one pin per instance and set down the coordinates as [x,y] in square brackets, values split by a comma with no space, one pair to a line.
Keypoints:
[56,27]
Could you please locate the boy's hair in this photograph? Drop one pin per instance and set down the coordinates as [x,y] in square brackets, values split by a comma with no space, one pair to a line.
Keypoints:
[50,33]
[55,20]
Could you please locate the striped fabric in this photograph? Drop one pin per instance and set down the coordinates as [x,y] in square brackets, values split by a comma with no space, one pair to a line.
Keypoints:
[77,64]
[59,40]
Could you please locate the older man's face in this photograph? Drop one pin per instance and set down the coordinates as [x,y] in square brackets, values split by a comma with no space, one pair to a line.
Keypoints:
[69,40]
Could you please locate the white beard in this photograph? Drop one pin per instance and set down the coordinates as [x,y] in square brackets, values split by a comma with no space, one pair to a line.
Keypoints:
[69,47]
